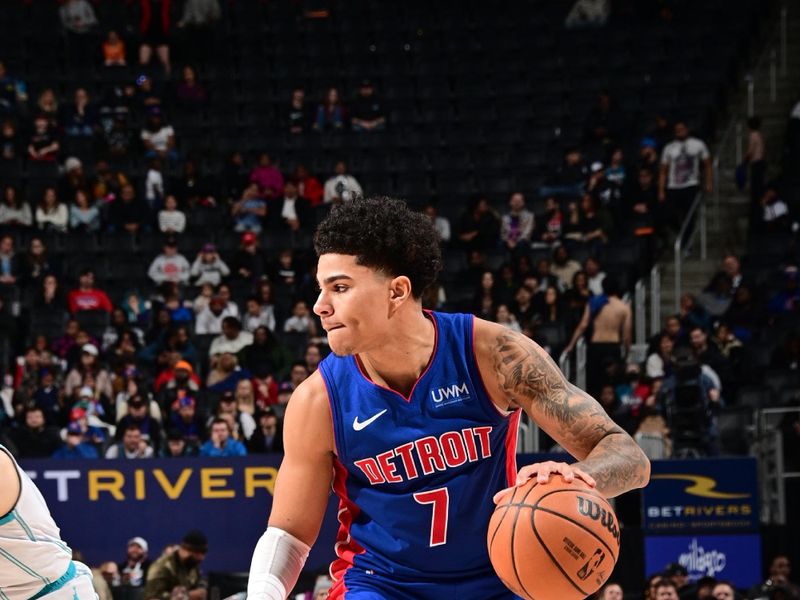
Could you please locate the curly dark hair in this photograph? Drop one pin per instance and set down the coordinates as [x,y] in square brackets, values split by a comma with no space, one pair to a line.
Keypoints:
[383,234]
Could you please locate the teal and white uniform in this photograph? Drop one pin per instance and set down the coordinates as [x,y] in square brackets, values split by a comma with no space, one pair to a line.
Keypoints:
[34,562]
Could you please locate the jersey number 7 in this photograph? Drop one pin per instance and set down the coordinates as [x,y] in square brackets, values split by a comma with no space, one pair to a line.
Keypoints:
[440,500]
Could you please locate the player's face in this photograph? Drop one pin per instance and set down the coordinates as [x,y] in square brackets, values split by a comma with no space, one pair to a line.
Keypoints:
[353,304]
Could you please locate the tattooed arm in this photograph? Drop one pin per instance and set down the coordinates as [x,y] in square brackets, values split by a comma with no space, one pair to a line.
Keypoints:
[518,373]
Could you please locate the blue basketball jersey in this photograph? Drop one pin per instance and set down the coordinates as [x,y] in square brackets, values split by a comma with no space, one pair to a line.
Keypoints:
[415,476]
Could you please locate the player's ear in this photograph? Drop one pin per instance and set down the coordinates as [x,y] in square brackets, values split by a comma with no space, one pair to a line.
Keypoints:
[399,290]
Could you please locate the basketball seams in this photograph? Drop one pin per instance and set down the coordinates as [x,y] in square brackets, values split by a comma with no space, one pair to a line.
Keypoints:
[513,534]
[550,554]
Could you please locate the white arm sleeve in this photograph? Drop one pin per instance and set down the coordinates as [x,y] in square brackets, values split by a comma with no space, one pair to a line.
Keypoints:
[277,561]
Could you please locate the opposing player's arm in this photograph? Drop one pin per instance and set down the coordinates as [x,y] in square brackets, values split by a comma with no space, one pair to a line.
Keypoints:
[519,373]
[300,495]
[304,479]
[9,484]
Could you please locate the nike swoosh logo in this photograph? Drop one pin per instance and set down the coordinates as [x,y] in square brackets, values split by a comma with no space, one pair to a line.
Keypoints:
[359,425]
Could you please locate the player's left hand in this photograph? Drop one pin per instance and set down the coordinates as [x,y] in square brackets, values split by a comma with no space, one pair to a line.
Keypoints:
[542,472]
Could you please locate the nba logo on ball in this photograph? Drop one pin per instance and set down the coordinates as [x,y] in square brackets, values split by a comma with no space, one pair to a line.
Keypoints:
[554,541]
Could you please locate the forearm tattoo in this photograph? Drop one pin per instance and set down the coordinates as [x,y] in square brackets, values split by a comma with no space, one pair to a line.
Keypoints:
[532,381]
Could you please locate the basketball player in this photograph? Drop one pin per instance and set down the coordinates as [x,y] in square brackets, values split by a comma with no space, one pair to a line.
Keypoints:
[412,421]
[34,563]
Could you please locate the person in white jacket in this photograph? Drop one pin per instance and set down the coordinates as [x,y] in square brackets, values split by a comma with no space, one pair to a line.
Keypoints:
[170,265]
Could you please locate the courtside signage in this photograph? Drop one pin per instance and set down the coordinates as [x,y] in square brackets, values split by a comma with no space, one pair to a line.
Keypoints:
[701,495]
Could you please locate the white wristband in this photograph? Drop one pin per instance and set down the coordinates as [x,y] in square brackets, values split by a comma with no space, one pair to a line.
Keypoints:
[277,561]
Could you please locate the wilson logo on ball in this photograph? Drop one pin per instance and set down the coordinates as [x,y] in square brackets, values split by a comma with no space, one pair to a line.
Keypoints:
[594,511]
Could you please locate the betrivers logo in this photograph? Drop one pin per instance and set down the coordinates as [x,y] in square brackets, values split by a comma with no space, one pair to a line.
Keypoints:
[701,486]
[701,562]
[450,394]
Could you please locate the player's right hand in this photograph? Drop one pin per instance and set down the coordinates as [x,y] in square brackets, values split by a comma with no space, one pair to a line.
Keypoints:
[542,472]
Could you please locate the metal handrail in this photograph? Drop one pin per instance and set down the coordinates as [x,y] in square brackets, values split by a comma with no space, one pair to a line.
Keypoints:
[655,300]
[580,363]
[698,206]
[768,430]
[639,311]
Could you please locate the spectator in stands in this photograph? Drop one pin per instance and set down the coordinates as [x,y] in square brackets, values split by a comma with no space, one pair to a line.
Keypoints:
[479,226]
[250,211]
[176,446]
[190,93]
[47,106]
[441,224]
[221,443]
[114,54]
[332,113]
[505,317]
[128,213]
[133,569]
[179,569]
[186,420]
[266,352]
[257,315]
[576,298]
[84,217]
[570,177]
[778,583]
[267,437]
[564,267]
[209,321]
[139,416]
[10,145]
[301,320]
[117,137]
[208,266]
[680,577]
[552,308]
[170,265]
[77,16]
[550,225]
[154,184]
[79,120]
[366,111]
[232,340]
[9,262]
[298,373]
[722,590]
[691,314]
[90,374]
[755,158]
[133,445]
[14,211]
[298,116]
[267,177]
[37,439]
[604,123]
[312,356]
[610,591]
[659,363]
[594,275]
[74,446]
[643,217]
[86,296]
[43,145]
[235,177]
[611,321]
[774,217]
[308,186]
[13,92]
[193,188]
[157,137]
[36,263]
[517,225]
[787,354]
[665,589]
[170,219]
[680,178]
[342,186]
[291,212]
[154,28]
[708,354]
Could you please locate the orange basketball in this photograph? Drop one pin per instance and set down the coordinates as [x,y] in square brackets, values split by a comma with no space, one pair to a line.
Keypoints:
[556,540]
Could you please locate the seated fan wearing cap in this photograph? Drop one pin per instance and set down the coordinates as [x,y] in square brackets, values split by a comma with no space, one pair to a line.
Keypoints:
[134,568]
[38,564]
[179,569]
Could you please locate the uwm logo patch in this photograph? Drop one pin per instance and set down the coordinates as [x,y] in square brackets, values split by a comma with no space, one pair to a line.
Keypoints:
[450,394]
